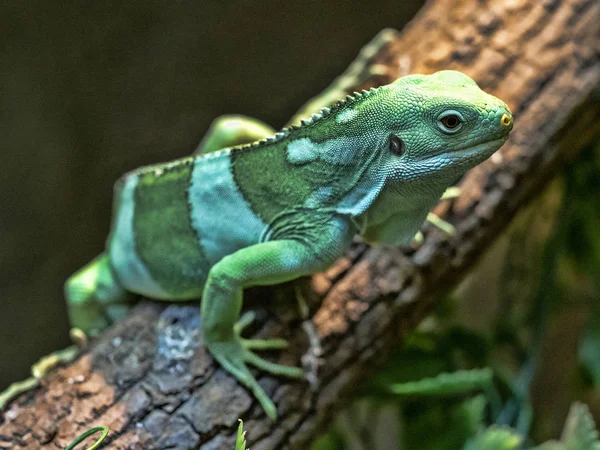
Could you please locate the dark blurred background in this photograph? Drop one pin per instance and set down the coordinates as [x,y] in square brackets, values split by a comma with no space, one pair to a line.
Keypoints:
[90,90]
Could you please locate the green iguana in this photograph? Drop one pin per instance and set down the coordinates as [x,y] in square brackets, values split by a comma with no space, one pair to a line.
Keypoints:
[287,205]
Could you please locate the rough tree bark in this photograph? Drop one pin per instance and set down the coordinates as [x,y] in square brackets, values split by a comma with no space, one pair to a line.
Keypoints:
[150,379]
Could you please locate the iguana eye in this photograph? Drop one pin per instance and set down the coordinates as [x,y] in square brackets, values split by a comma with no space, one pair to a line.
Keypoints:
[450,121]
[397,146]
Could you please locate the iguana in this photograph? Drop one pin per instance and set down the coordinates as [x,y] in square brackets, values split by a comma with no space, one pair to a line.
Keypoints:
[236,215]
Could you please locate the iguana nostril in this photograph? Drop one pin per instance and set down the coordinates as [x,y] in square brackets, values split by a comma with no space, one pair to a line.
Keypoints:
[506,120]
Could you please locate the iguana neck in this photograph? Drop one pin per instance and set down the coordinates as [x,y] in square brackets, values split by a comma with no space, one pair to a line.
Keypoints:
[322,165]
[410,200]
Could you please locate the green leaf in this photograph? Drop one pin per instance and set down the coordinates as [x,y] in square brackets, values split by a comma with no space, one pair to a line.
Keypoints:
[580,430]
[397,371]
[472,345]
[332,440]
[443,425]
[102,429]
[550,445]
[240,442]
[473,411]
[589,354]
[459,382]
[495,438]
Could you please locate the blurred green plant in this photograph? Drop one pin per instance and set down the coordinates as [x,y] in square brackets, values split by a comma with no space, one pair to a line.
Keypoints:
[85,435]
[465,424]
[240,441]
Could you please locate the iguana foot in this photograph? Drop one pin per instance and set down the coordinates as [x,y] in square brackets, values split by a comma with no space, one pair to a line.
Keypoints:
[95,297]
[233,355]
[38,371]
[418,239]
[433,219]
[44,365]
[256,344]
[446,227]
[450,193]
[78,337]
[49,362]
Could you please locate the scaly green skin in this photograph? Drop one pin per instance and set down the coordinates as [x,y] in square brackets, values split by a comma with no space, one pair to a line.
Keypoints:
[225,219]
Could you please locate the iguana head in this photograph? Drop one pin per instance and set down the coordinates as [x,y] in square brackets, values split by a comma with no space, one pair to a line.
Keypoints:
[419,135]
[445,125]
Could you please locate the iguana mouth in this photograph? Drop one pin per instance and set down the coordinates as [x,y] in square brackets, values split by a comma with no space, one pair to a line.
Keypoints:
[477,148]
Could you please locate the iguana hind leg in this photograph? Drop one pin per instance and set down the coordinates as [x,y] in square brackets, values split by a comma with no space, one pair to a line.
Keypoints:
[231,130]
[95,297]
[38,370]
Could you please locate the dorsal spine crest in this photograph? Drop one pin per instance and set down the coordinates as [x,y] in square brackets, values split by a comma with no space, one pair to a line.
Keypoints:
[350,100]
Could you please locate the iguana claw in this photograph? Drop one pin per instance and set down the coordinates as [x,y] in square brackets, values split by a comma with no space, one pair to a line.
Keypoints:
[233,355]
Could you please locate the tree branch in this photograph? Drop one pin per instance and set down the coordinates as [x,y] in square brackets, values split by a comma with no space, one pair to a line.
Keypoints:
[150,379]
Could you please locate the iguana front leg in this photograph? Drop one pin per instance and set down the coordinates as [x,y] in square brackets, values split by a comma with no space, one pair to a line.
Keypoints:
[261,264]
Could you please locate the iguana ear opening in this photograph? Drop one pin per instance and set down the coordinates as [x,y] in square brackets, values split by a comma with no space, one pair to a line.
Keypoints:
[397,146]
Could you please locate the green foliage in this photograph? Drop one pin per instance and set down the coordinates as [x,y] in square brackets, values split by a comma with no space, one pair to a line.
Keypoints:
[465,429]
[329,441]
[589,353]
[443,426]
[104,432]
[447,383]
[495,438]
[579,433]
[582,253]
[583,236]
[430,353]
[240,441]
[580,430]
